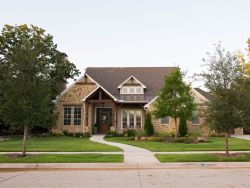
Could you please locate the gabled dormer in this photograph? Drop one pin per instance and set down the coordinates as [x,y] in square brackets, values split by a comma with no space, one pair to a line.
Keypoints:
[131,86]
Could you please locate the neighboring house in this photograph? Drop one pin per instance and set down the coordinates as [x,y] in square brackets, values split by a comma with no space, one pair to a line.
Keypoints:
[117,99]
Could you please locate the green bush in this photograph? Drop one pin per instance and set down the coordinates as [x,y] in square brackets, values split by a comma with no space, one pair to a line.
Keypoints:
[189,139]
[113,134]
[140,133]
[164,134]
[183,127]
[131,133]
[65,132]
[82,135]
[194,134]
[149,129]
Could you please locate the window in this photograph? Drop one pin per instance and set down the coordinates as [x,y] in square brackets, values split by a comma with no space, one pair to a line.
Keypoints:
[138,119]
[131,119]
[131,90]
[67,115]
[138,90]
[196,121]
[124,119]
[77,115]
[165,120]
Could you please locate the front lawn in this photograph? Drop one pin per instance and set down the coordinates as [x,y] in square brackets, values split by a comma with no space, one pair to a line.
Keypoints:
[213,144]
[202,158]
[56,143]
[64,158]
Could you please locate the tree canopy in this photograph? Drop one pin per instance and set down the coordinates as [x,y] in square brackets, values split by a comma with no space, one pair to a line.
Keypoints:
[229,85]
[175,98]
[31,67]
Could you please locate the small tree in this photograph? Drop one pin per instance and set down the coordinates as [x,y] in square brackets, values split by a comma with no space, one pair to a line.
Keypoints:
[175,99]
[183,127]
[227,81]
[30,69]
[148,127]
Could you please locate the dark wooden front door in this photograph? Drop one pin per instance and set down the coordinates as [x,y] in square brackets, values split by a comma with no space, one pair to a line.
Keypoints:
[103,120]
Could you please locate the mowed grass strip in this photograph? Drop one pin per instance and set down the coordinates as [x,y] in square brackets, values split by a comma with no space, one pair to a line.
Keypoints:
[213,144]
[64,158]
[202,158]
[56,143]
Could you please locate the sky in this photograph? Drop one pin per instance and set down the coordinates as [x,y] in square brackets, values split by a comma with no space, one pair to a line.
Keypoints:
[120,33]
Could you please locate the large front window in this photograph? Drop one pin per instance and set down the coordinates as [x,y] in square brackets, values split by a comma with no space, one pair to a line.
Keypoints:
[131,119]
[72,115]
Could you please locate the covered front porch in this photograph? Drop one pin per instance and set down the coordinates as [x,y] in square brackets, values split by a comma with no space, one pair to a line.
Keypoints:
[103,113]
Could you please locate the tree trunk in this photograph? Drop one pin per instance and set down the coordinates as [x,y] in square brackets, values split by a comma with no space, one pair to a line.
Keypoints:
[25,134]
[176,131]
[226,144]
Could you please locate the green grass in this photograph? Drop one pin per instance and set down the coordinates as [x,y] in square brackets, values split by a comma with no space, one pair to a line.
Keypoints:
[213,144]
[201,158]
[56,143]
[64,158]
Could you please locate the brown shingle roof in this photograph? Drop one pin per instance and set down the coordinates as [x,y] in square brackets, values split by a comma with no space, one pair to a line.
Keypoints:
[111,77]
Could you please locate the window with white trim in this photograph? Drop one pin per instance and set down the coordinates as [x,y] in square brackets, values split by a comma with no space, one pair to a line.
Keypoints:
[165,120]
[196,119]
[67,115]
[77,115]
[131,90]
[131,118]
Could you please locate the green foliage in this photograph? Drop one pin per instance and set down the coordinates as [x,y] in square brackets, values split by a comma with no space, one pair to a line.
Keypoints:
[183,127]
[148,127]
[230,87]
[113,134]
[175,99]
[164,134]
[140,133]
[31,68]
[131,133]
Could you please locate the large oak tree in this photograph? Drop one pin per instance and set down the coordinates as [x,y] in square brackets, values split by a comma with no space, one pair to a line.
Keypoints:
[31,67]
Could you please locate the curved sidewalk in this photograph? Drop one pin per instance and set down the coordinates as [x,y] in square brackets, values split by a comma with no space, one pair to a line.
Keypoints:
[132,154]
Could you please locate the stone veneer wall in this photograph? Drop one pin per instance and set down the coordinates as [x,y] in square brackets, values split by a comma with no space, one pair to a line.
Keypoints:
[73,98]
[202,127]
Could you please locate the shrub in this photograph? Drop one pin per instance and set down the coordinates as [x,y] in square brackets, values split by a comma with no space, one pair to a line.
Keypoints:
[140,133]
[164,134]
[82,135]
[131,133]
[183,127]
[190,139]
[110,134]
[65,132]
[195,134]
[149,129]
[113,134]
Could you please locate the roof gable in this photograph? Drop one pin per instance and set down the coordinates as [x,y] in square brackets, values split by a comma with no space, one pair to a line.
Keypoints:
[131,78]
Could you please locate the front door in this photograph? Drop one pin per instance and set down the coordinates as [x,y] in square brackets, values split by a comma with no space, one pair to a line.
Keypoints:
[103,120]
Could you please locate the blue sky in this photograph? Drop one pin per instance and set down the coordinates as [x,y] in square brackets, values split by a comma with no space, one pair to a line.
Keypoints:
[136,32]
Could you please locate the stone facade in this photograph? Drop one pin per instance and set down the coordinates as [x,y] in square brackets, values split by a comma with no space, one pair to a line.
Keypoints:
[170,127]
[73,97]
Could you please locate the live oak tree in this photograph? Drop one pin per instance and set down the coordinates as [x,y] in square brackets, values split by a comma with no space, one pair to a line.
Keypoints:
[228,83]
[175,99]
[31,68]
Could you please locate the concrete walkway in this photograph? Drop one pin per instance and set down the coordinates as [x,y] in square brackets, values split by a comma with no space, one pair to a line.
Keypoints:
[131,154]
[245,137]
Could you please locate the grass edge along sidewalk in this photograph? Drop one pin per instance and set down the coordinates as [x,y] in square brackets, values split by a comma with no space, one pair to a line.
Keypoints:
[63,158]
[211,157]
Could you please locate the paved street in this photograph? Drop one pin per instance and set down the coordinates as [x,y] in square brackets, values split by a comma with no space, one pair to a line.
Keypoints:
[132,178]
